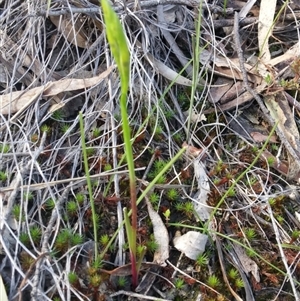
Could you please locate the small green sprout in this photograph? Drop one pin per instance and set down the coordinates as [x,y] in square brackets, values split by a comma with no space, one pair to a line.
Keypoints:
[172,194]
[231,192]
[97,219]
[66,239]
[179,206]
[233,274]
[65,127]
[178,138]
[140,250]
[183,100]
[97,263]
[250,253]
[167,214]
[72,208]
[125,246]
[295,235]
[271,160]
[95,280]
[50,204]
[104,240]
[28,196]
[95,183]
[17,212]
[4,148]
[45,128]
[188,208]
[90,151]
[162,179]
[76,239]
[239,283]
[280,219]
[73,278]
[179,283]
[272,201]
[154,198]
[274,147]
[24,238]
[250,234]
[121,281]
[26,261]
[255,149]
[252,181]
[202,260]
[159,165]
[107,167]
[216,181]
[58,115]
[35,233]
[219,167]
[79,198]
[151,244]
[229,176]
[96,132]
[268,79]
[213,281]
[117,117]
[169,114]
[3,176]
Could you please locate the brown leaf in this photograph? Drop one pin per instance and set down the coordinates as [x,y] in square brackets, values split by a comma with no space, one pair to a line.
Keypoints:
[16,101]
[72,30]
[192,150]
[125,270]
[271,277]
[259,137]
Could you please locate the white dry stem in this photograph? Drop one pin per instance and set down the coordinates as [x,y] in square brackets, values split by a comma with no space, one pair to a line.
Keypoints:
[282,255]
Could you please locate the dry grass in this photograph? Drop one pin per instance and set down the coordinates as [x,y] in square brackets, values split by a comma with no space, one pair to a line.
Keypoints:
[46,225]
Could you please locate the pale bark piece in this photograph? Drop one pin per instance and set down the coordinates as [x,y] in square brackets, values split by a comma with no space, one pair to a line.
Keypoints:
[72,30]
[3,74]
[259,137]
[265,25]
[281,113]
[161,236]
[194,117]
[200,199]
[19,100]
[297,215]
[246,8]
[248,265]
[221,86]
[233,92]
[293,52]
[167,72]
[16,101]
[192,244]
[3,294]
[6,221]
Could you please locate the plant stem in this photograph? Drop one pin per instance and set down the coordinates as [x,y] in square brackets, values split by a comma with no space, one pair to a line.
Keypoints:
[88,180]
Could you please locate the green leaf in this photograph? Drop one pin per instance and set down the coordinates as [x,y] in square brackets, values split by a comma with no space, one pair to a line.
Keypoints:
[117,41]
